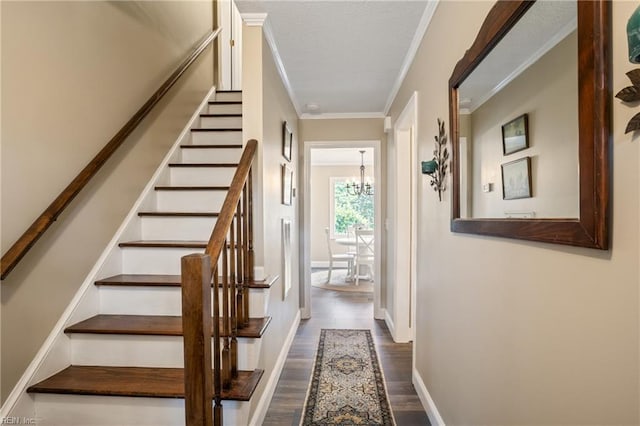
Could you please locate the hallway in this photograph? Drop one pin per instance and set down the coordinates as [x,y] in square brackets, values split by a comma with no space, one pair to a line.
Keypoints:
[334,309]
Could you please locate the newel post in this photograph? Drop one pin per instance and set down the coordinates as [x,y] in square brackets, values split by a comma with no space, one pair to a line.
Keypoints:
[197,325]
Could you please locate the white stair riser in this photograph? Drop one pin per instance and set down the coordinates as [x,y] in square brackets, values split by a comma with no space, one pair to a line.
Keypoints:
[228,96]
[89,410]
[211,155]
[158,260]
[221,122]
[177,228]
[216,138]
[190,201]
[146,351]
[163,301]
[225,109]
[206,176]
[143,260]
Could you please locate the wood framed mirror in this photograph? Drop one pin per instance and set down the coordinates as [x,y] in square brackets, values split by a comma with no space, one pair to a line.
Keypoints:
[586,223]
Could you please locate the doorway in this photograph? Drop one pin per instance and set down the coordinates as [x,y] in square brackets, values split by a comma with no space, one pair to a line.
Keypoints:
[230,51]
[328,212]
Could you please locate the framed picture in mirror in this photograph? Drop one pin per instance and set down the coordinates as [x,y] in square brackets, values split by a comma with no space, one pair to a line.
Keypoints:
[515,135]
[516,179]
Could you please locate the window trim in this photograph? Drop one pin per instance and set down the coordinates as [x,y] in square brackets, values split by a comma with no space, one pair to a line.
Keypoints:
[332,205]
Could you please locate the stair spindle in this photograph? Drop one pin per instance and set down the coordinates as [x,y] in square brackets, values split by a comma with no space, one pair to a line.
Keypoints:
[250,255]
[226,350]
[233,320]
[244,313]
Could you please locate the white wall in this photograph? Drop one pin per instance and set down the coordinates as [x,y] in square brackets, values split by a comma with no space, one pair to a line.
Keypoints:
[73,73]
[512,332]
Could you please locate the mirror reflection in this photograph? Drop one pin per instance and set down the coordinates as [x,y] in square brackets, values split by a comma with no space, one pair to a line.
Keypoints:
[518,121]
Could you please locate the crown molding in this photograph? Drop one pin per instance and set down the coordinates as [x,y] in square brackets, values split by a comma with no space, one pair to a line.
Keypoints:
[341,115]
[254,19]
[427,15]
[271,41]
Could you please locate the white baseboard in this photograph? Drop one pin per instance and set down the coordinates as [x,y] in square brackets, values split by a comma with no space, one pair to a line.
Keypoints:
[425,398]
[389,321]
[265,400]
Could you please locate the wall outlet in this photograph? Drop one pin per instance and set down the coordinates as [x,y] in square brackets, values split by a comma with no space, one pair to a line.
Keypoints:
[487,187]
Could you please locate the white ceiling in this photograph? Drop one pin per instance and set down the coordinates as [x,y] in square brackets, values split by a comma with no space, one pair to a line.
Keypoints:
[348,57]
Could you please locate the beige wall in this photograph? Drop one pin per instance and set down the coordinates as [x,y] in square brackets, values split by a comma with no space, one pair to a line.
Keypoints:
[548,92]
[512,332]
[320,209]
[261,81]
[342,129]
[72,74]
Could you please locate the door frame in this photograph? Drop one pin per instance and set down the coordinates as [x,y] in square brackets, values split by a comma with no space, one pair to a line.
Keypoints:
[405,226]
[305,267]
[229,56]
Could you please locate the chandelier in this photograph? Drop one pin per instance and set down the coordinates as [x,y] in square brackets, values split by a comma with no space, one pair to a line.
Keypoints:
[362,188]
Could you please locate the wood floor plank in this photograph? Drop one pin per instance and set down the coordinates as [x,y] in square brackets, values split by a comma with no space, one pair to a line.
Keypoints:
[334,309]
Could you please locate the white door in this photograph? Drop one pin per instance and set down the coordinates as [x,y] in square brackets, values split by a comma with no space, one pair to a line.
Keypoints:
[230,52]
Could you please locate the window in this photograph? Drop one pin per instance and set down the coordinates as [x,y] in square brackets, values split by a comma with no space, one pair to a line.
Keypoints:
[347,210]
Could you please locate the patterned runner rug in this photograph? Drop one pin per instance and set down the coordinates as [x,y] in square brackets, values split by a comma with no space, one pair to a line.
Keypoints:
[347,386]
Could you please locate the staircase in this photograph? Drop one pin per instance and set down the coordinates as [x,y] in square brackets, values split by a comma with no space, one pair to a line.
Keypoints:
[125,355]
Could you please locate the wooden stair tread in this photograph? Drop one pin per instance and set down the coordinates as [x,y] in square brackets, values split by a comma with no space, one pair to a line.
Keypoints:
[165,244]
[149,280]
[191,188]
[203,164]
[154,325]
[221,114]
[136,382]
[234,129]
[210,146]
[225,102]
[179,214]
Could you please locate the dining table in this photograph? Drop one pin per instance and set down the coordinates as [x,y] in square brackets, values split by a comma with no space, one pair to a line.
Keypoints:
[351,242]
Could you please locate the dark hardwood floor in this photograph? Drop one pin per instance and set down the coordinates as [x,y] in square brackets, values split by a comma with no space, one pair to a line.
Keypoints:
[333,309]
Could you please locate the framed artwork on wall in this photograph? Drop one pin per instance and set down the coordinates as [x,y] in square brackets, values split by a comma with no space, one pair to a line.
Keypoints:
[286,257]
[516,179]
[287,185]
[287,141]
[515,135]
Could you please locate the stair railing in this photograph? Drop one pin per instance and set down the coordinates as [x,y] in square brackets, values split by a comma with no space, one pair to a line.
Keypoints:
[17,251]
[228,263]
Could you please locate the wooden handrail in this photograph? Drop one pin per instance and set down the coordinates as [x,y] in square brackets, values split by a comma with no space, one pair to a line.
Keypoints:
[17,251]
[229,251]
[227,213]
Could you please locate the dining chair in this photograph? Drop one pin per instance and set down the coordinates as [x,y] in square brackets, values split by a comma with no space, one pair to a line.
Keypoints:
[337,257]
[365,253]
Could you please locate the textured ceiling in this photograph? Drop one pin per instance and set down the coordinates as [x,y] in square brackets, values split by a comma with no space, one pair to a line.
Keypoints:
[544,25]
[346,57]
